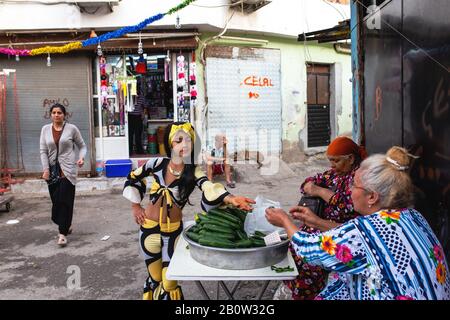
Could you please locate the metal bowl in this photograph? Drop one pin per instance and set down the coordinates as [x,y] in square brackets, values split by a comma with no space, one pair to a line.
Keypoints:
[237,259]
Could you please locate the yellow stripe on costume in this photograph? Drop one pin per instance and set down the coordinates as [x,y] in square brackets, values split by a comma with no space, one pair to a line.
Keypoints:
[156,188]
[148,295]
[136,172]
[170,227]
[148,224]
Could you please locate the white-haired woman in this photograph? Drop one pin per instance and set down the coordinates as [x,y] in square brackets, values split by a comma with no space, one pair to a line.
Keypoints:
[389,252]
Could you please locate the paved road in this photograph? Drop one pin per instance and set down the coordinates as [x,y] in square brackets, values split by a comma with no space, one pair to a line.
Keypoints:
[34,267]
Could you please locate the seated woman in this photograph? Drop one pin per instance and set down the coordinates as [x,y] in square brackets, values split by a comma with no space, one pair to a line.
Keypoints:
[175,178]
[389,252]
[217,160]
[333,186]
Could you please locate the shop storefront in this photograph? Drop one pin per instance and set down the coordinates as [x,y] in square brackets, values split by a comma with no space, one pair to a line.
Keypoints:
[136,97]
[107,97]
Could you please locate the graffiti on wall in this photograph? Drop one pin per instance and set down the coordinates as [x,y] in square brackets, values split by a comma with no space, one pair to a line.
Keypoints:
[255,82]
[48,102]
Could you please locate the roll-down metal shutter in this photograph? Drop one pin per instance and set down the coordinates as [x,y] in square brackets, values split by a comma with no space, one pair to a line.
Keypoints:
[244,92]
[38,87]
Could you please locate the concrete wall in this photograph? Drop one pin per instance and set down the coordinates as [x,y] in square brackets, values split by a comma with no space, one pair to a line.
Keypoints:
[293,78]
[298,16]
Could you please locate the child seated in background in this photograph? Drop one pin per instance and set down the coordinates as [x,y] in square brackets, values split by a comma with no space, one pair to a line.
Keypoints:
[216,160]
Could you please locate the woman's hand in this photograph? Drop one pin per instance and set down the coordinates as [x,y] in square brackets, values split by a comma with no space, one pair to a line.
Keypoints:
[311,188]
[46,175]
[277,217]
[306,216]
[314,190]
[138,213]
[80,162]
[240,202]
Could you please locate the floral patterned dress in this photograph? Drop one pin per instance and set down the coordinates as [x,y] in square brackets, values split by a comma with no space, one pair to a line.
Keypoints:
[312,279]
[388,255]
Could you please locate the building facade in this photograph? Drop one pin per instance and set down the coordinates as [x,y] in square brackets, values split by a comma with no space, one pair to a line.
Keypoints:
[244,73]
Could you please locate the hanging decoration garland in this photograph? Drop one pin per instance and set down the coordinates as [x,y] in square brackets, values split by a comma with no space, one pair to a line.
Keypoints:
[14,52]
[64,49]
[181,82]
[120,32]
[96,40]
[193,78]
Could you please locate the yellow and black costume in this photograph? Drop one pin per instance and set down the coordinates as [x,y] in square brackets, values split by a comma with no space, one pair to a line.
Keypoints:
[158,239]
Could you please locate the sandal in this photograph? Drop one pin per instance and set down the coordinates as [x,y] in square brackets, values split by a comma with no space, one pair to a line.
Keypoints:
[231,185]
[62,241]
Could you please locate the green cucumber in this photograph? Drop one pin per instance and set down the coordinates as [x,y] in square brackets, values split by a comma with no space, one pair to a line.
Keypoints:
[195,229]
[216,228]
[233,225]
[216,235]
[260,234]
[257,242]
[241,235]
[221,222]
[224,215]
[247,243]
[200,217]
[193,236]
[216,243]
[241,214]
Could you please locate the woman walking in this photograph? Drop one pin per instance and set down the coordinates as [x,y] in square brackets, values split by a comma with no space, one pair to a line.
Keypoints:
[57,147]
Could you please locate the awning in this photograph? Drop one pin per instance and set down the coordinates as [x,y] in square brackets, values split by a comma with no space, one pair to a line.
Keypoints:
[339,32]
[151,41]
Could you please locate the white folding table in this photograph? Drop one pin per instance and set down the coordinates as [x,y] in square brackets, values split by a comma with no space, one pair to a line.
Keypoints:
[183,267]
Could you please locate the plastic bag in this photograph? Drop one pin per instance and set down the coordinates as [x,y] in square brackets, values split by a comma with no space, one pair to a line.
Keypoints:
[256,220]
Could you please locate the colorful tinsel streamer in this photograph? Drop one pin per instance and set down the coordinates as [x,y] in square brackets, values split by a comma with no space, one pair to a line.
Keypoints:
[180,6]
[63,49]
[95,41]
[14,52]
[120,32]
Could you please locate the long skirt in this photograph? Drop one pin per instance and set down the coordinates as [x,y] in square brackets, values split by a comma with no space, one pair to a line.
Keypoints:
[63,196]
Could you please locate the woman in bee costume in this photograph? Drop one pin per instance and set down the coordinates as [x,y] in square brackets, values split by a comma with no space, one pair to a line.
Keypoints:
[175,178]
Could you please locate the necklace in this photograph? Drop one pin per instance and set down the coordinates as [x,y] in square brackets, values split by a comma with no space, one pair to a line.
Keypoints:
[174,172]
[57,127]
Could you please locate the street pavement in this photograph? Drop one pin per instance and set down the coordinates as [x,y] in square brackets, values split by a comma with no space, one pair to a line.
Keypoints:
[33,266]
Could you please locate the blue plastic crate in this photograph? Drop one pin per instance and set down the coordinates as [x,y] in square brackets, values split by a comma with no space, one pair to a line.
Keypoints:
[118,167]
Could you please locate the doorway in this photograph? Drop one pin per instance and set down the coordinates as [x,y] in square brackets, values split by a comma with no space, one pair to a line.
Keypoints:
[318,101]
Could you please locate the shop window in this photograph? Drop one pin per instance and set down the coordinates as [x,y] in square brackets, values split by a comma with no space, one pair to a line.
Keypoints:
[136,96]
[158,89]
[109,100]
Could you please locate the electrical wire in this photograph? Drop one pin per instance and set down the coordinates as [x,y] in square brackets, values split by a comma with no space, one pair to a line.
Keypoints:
[306,51]
[219,6]
[342,15]
[203,62]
